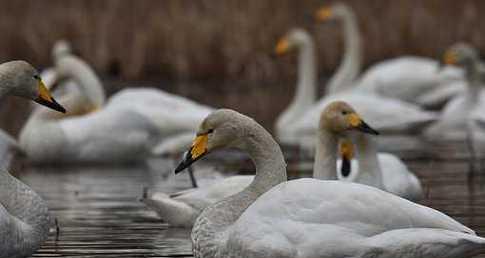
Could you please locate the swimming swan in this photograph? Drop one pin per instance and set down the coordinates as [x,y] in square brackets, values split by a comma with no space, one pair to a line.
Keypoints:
[182,209]
[457,116]
[24,217]
[410,78]
[309,217]
[299,122]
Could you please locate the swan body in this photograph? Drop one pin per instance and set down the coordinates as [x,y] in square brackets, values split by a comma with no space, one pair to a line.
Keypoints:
[24,216]
[309,217]
[413,79]
[410,78]
[318,218]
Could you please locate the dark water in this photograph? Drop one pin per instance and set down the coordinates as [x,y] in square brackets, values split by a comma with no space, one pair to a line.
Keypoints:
[100,215]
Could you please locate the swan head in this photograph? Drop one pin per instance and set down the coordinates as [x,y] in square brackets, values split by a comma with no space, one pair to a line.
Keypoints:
[332,12]
[339,118]
[346,149]
[223,128]
[292,40]
[24,81]
[460,54]
[61,48]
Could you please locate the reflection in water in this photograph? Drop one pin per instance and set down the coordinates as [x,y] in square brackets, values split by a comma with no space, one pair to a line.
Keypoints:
[99,213]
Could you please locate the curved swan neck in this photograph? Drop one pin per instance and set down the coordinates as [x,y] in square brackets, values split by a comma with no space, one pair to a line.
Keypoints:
[350,66]
[73,67]
[29,210]
[209,228]
[305,94]
[369,168]
[325,167]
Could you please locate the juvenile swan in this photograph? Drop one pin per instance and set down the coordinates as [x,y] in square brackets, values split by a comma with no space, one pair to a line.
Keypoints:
[308,217]
[382,170]
[24,217]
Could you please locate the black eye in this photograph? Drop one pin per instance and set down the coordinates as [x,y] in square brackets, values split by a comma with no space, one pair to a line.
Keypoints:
[36,76]
[210,131]
[345,113]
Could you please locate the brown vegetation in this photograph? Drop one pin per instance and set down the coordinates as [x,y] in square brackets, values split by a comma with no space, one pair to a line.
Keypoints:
[225,39]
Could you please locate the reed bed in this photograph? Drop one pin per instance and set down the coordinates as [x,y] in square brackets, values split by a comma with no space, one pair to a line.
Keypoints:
[230,40]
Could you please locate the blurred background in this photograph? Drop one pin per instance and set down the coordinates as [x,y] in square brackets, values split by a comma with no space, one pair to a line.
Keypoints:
[220,52]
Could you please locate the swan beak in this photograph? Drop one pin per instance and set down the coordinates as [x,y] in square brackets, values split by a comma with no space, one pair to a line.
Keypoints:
[282,47]
[357,123]
[323,14]
[450,58]
[197,151]
[45,98]
[347,153]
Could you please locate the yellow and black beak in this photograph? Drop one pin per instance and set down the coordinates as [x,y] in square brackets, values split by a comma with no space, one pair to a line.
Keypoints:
[45,98]
[357,123]
[197,151]
[347,153]
[323,14]
[282,46]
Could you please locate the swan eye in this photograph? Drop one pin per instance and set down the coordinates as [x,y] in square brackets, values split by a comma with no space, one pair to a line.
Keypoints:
[210,131]
[345,113]
[36,76]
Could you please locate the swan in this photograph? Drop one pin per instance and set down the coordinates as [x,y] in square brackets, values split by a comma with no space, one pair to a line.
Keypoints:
[409,78]
[381,170]
[24,216]
[273,217]
[457,115]
[181,209]
[299,122]
[132,124]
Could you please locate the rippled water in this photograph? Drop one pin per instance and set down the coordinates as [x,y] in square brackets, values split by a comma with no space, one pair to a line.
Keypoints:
[100,215]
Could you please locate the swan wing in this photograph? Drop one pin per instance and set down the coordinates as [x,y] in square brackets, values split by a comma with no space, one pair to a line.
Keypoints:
[316,218]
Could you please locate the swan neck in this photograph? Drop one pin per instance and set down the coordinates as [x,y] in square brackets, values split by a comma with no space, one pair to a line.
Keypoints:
[305,94]
[29,210]
[369,168]
[78,70]
[351,63]
[208,232]
[325,167]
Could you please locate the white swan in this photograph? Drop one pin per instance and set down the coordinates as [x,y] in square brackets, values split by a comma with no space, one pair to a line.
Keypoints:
[298,124]
[133,124]
[24,217]
[310,217]
[182,209]
[458,115]
[410,78]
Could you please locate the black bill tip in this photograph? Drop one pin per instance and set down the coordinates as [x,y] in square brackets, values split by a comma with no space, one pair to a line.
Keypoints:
[187,161]
[51,104]
[365,128]
[346,167]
